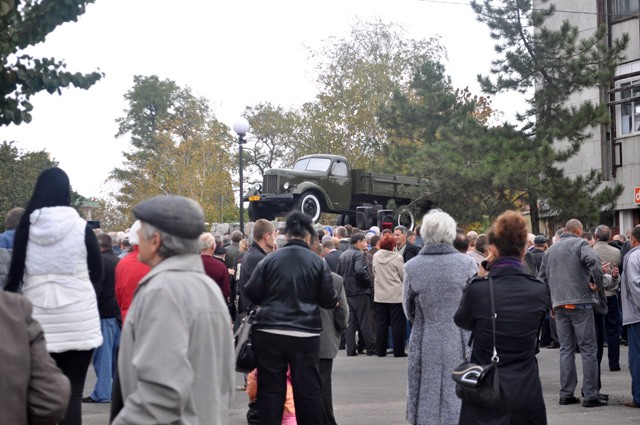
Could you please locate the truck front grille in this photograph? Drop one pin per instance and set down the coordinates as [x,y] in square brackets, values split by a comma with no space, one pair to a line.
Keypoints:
[270,184]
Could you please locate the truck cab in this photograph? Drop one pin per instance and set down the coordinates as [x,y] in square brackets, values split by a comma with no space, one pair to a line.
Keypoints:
[315,184]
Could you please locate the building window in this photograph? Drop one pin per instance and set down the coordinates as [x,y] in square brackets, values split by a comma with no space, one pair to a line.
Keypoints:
[629,111]
[624,8]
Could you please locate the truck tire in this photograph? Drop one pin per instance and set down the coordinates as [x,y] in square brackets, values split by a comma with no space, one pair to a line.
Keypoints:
[310,204]
[404,217]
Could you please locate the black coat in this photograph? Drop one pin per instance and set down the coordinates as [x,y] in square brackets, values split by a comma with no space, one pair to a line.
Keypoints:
[290,286]
[332,259]
[410,251]
[250,260]
[353,268]
[107,305]
[521,305]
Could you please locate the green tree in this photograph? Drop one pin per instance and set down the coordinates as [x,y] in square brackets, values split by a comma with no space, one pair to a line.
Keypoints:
[548,66]
[356,74]
[25,23]
[273,135]
[178,147]
[19,171]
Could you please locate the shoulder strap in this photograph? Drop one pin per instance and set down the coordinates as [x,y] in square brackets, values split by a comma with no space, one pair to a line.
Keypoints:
[494,358]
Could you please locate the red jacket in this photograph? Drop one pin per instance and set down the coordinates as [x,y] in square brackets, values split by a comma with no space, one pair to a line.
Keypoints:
[129,272]
[217,270]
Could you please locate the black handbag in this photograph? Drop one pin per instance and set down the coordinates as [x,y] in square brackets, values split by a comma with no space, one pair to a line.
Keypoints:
[245,358]
[480,384]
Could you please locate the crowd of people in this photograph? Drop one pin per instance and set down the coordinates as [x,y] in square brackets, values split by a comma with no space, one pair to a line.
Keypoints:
[154,308]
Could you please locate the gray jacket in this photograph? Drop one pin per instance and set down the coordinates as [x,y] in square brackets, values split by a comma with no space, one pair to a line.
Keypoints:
[567,268]
[334,322]
[630,287]
[176,360]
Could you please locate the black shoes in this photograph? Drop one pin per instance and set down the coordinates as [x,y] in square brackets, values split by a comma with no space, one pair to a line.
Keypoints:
[615,369]
[595,403]
[553,345]
[569,400]
[88,400]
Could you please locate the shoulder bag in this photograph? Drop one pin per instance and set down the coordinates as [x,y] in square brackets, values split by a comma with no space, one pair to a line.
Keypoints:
[245,358]
[480,384]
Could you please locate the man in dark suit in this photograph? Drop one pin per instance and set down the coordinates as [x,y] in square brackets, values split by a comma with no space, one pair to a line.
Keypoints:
[403,246]
[331,254]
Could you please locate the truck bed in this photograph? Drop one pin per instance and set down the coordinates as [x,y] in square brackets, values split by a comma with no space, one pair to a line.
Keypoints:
[378,184]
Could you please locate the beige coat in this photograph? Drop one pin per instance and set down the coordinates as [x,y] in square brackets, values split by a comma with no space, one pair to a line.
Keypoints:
[34,391]
[176,360]
[388,272]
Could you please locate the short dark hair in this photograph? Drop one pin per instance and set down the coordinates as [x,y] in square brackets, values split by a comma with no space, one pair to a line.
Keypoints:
[374,240]
[587,235]
[236,236]
[104,240]
[356,237]
[482,243]
[635,233]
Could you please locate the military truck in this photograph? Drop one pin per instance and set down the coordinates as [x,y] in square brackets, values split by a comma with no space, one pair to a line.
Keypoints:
[325,183]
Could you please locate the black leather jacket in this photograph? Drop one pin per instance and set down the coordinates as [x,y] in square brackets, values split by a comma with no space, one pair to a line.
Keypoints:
[352,266]
[290,285]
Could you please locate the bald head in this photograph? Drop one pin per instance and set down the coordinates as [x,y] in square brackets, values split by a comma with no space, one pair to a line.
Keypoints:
[573,226]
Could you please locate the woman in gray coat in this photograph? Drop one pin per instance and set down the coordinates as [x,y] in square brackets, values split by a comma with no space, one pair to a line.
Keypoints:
[433,285]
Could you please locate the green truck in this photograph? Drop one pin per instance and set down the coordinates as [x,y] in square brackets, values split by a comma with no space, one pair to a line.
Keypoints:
[327,184]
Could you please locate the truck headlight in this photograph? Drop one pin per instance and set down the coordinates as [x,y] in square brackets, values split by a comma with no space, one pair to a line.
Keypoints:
[257,187]
[286,185]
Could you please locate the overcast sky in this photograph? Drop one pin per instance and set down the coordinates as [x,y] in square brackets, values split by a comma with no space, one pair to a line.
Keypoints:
[235,53]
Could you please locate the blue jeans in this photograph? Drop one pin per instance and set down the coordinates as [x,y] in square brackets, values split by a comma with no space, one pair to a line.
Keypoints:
[104,360]
[577,325]
[633,335]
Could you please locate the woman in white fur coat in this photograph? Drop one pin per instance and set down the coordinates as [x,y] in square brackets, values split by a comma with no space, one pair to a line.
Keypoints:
[57,265]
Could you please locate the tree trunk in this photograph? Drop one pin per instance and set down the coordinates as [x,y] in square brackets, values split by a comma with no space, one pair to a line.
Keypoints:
[534,215]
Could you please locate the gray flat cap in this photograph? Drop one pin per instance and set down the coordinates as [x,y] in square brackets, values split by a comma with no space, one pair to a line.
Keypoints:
[176,215]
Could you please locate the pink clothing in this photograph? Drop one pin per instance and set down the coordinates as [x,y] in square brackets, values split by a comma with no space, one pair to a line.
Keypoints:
[289,414]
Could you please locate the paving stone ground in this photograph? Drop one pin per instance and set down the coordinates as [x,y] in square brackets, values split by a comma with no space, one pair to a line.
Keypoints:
[372,391]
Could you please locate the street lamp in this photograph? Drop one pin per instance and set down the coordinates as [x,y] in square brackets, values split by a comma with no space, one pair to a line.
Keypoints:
[241,127]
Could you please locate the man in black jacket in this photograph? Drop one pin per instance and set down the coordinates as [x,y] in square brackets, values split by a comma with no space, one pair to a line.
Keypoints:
[264,236]
[403,246]
[352,266]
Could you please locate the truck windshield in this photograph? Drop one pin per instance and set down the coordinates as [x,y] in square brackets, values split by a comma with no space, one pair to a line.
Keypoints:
[312,164]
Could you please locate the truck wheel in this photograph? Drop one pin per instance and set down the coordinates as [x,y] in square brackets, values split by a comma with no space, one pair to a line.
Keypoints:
[404,217]
[309,203]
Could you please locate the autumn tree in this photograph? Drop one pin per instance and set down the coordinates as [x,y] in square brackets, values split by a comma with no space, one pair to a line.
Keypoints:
[25,23]
[19,171]
[548,66]
[177,147]
[355,74]
[273,135]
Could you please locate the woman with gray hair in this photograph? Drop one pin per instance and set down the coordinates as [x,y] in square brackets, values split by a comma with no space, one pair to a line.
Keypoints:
[433,285]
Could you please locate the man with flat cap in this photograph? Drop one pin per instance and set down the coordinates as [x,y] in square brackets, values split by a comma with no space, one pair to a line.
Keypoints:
[176,362]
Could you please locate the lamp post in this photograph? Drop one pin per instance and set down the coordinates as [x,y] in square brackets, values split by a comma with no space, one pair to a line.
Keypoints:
[241,127]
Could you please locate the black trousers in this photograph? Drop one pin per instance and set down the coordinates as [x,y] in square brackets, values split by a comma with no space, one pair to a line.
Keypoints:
[360,317]
[326,366]
[388,314]
[613,332]
[74,364]
[274,354]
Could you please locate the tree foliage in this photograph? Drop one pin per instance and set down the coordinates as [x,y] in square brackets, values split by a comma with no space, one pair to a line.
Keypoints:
[549,66]
[355,74]
[25,23]
[19,171]
[178,147]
